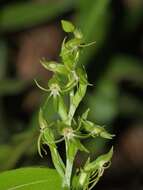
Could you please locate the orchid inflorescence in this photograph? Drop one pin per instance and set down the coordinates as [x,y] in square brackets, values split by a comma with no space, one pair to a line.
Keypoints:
[69,81]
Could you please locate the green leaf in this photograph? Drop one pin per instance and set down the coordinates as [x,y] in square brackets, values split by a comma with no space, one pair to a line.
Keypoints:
[67,26]
[30,179]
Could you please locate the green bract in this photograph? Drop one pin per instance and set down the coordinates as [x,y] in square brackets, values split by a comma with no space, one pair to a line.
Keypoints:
[66,90]
[67,26]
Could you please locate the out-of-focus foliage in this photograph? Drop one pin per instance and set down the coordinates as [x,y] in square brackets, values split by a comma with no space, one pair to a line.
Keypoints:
[114,66]
[97,18]
[107,92]
[23,15]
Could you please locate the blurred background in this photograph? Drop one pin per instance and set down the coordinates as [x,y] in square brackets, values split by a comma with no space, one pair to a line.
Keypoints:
[31,30]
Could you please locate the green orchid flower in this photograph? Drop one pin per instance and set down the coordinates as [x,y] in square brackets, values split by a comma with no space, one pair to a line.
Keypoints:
[66,89]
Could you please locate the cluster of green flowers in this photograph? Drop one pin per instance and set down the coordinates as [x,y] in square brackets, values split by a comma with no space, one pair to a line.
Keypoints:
[66,89]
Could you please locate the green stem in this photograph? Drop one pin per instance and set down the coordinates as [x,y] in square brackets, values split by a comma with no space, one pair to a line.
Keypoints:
[71,151]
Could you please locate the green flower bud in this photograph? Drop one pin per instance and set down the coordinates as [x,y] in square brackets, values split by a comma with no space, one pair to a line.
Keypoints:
[67,26]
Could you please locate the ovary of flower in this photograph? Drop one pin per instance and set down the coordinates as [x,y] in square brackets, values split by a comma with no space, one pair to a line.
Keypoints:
[55,90]
[68,133]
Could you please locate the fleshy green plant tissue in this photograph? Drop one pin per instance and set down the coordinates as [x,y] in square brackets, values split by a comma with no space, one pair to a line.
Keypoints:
[66,90]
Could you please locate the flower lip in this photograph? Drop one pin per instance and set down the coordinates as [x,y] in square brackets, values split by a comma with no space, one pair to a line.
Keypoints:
[55,89]
[68,133]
